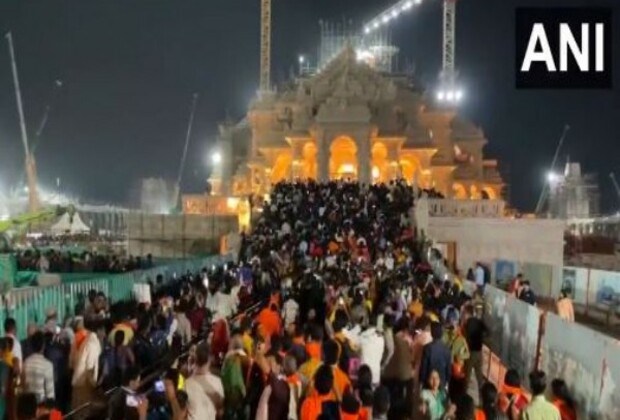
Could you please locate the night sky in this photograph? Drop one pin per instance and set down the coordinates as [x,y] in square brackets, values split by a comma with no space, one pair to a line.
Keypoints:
[129,69]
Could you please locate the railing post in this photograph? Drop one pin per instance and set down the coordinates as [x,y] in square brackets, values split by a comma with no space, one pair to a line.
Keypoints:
[588,292]
[541,333]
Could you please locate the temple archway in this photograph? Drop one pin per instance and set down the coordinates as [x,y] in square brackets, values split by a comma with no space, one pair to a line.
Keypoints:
[489,193]
[379,155]
[459,192]
[409,165]
[308,154]
[280,168]
[343,158]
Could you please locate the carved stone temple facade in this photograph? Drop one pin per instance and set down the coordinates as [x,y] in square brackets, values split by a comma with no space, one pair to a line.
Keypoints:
[350,121]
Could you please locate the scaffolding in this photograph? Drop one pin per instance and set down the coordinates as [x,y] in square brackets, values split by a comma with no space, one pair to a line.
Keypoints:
[573,194]
[376,49]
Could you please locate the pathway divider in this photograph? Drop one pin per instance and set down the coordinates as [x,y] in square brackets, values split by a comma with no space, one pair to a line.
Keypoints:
[30,304]
[525,337]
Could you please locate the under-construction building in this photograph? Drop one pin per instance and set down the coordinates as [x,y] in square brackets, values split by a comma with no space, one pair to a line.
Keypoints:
[573,194]
[157,196]
[375,49]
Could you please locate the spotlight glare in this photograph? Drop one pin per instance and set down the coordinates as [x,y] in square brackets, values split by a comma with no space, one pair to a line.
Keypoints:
[408,5]
[216,158]
[418,1]
[459,95]
[366,30]
[440,95]
[385,19]
[376,25]
[394,13]
[450,96]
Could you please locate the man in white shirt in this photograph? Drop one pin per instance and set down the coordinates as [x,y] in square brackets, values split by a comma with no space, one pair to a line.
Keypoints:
[205,392]
[371,345]
[479,275]
[290,310]
[38,371]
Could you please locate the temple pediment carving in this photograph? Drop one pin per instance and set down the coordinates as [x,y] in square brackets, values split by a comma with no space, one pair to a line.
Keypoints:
[349,120]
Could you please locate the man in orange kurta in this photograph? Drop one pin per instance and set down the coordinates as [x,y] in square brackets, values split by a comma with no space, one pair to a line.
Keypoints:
[269,320]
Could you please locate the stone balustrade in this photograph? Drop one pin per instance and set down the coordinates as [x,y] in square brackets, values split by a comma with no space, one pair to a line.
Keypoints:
[438,207]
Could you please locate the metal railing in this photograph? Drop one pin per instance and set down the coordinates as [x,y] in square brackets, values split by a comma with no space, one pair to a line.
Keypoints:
[151,374]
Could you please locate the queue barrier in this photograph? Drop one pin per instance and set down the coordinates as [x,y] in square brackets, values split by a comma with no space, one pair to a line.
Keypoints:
[153,374]
[525,337]
[30,304]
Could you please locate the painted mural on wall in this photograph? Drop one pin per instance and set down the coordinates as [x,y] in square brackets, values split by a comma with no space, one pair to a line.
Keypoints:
[505,271]
[514,330]
[606,286]
[576,278]
[592,371]
[569,280]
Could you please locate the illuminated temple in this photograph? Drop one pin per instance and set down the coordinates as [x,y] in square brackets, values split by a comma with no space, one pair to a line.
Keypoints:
[351,121]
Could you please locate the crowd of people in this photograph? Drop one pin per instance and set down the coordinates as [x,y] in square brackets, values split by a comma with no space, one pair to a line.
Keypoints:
[353,324]
[54,260]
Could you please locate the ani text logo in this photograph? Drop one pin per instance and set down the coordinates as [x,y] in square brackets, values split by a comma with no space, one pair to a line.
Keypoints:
[563,48]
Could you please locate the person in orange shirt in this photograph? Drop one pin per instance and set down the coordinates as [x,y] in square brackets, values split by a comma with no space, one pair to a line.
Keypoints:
[350,407]
[489,408]
[512,398]
[331,351]
[563,400]
[321,398]
[564,307]
[269,320]
[313,351]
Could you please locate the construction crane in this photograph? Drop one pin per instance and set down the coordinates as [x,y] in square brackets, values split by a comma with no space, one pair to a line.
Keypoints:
[55,90]
[31,166]
[545,191]
[616,186]
[188,135]
[265,46]
[448,93]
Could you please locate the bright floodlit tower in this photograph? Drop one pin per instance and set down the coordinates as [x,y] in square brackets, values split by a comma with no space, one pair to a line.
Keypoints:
[449,92]
[265,46]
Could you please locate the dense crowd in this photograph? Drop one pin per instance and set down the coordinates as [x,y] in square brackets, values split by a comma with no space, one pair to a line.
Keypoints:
[353,325]
[58,261]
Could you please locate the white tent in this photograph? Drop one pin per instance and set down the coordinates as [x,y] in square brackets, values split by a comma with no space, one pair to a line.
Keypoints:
[78,226]
[63,225]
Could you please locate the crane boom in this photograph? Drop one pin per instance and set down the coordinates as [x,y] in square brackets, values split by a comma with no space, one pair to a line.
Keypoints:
[449,41]
[188,135]
[31,167]
[545,190]
[265,46]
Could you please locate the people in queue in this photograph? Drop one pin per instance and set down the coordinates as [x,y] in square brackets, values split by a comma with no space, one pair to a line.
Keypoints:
[348,322]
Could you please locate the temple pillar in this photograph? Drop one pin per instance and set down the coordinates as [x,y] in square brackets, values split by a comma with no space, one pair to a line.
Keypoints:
[394,170]
[297,163]
[322,155]
[364,172]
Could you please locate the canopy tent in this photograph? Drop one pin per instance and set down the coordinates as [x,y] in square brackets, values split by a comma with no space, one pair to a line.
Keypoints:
[70,225]
[78,226]
[63,225]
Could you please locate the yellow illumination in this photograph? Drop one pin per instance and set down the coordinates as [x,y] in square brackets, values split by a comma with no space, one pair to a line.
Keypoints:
[347,168]
[232,203]
[375,172]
